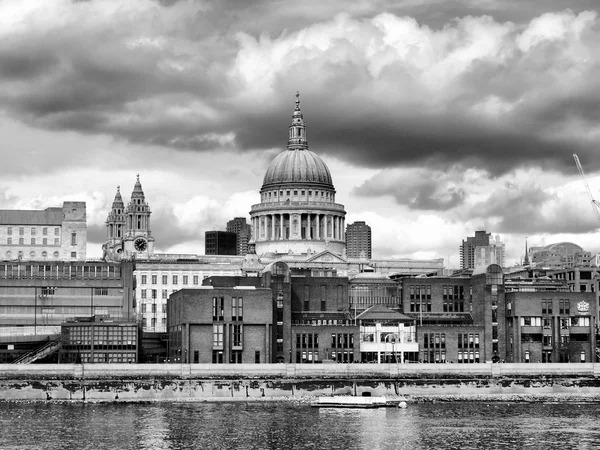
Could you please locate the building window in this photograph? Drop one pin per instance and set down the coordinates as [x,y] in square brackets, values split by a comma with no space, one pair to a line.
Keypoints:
[237,336]
[195,280]
[101,291]
[33,231]
[196,356]
[45,241]
[306,297]
[9,231]
[164,279]
[175,279]
[218,307]
[154,294]
[237,308]
[185,279]
[56,241]
[154,279]
[73,238]
[21,231]
[9,241]
[164,294]
[56,231]
[164,308]
[143,293]
[21,241]
[218,335]
[144,279]
[73,254]
[143,308]
[153,308]
[45,231]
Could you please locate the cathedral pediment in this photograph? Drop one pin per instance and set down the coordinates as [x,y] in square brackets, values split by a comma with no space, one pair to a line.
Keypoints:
[327,257]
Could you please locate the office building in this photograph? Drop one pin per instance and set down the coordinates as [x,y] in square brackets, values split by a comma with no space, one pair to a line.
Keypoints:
[358,240]
[220,243]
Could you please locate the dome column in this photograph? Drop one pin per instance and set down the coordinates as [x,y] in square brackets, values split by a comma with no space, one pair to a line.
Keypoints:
[281,226]
[317,225]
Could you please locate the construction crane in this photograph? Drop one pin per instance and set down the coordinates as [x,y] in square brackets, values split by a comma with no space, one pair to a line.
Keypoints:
[595,203]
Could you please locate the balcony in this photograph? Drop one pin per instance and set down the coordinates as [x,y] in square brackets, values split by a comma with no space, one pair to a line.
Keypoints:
[529,329]
[292,206]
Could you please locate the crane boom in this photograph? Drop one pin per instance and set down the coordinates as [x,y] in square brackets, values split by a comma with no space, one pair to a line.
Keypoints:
[595,203]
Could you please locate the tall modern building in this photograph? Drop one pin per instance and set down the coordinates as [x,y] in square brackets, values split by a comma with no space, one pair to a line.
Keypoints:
[358,240]
[243,232]
[220,243]
[297,213]
[493,253]
[52,234]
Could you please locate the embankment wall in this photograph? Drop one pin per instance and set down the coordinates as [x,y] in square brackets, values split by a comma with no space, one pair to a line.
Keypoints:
[207,382]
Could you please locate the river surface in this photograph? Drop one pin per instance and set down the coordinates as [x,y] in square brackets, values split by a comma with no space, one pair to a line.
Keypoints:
[456,425]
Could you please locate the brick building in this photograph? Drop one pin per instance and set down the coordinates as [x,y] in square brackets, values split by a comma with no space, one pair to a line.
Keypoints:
[358,240]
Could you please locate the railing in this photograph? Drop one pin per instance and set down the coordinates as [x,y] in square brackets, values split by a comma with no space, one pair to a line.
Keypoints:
[40,352]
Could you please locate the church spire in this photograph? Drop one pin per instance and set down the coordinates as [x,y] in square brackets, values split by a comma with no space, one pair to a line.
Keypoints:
[526,261]
[297,137]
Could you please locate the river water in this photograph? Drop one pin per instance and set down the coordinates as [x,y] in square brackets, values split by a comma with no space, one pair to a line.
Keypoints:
[448,425]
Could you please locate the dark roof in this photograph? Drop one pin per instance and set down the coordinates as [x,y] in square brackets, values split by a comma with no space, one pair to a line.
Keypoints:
[383,314]
[48,216]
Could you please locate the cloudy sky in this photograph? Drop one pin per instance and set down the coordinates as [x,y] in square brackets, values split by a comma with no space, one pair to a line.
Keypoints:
[436,117]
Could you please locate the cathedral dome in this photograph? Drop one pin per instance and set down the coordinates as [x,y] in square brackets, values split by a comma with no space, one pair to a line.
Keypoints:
[297,166]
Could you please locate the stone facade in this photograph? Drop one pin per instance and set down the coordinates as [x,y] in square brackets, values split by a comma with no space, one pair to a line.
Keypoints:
[53,234]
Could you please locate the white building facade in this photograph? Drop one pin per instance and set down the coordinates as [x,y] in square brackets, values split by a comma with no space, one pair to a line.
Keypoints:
[58,233]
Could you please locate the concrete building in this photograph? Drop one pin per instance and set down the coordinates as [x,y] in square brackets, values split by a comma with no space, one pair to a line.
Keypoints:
[243,232]
[37,297]
[358,240]
[467,248]
[493,253]
[220,243]
[99,339]
[52,234]
[297,213]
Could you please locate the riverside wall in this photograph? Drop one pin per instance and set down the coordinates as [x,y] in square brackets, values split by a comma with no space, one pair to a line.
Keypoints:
[208,382]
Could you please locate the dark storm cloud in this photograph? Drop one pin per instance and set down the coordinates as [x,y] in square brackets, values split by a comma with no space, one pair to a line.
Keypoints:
[422,190]
[160,78]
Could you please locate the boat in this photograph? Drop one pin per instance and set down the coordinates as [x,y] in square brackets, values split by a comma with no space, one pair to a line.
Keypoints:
[351,402]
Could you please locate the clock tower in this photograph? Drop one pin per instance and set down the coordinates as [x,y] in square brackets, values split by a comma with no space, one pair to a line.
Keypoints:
[137,241]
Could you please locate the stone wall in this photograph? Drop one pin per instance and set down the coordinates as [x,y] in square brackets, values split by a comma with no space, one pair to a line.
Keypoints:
[206,382]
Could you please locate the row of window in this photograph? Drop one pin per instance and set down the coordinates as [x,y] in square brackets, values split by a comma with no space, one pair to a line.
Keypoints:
[565,322]
[237,308]
[236,335]
[420,292]
[273,194]
[434,340]
[453,292]
[468,340]
[33,231]
[53,270]
[175,279]
[153,322]
[234,358]
[44,254]
[33,241]
[152,308]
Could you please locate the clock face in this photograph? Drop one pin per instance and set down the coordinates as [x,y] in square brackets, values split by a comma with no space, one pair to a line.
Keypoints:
[140,245]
